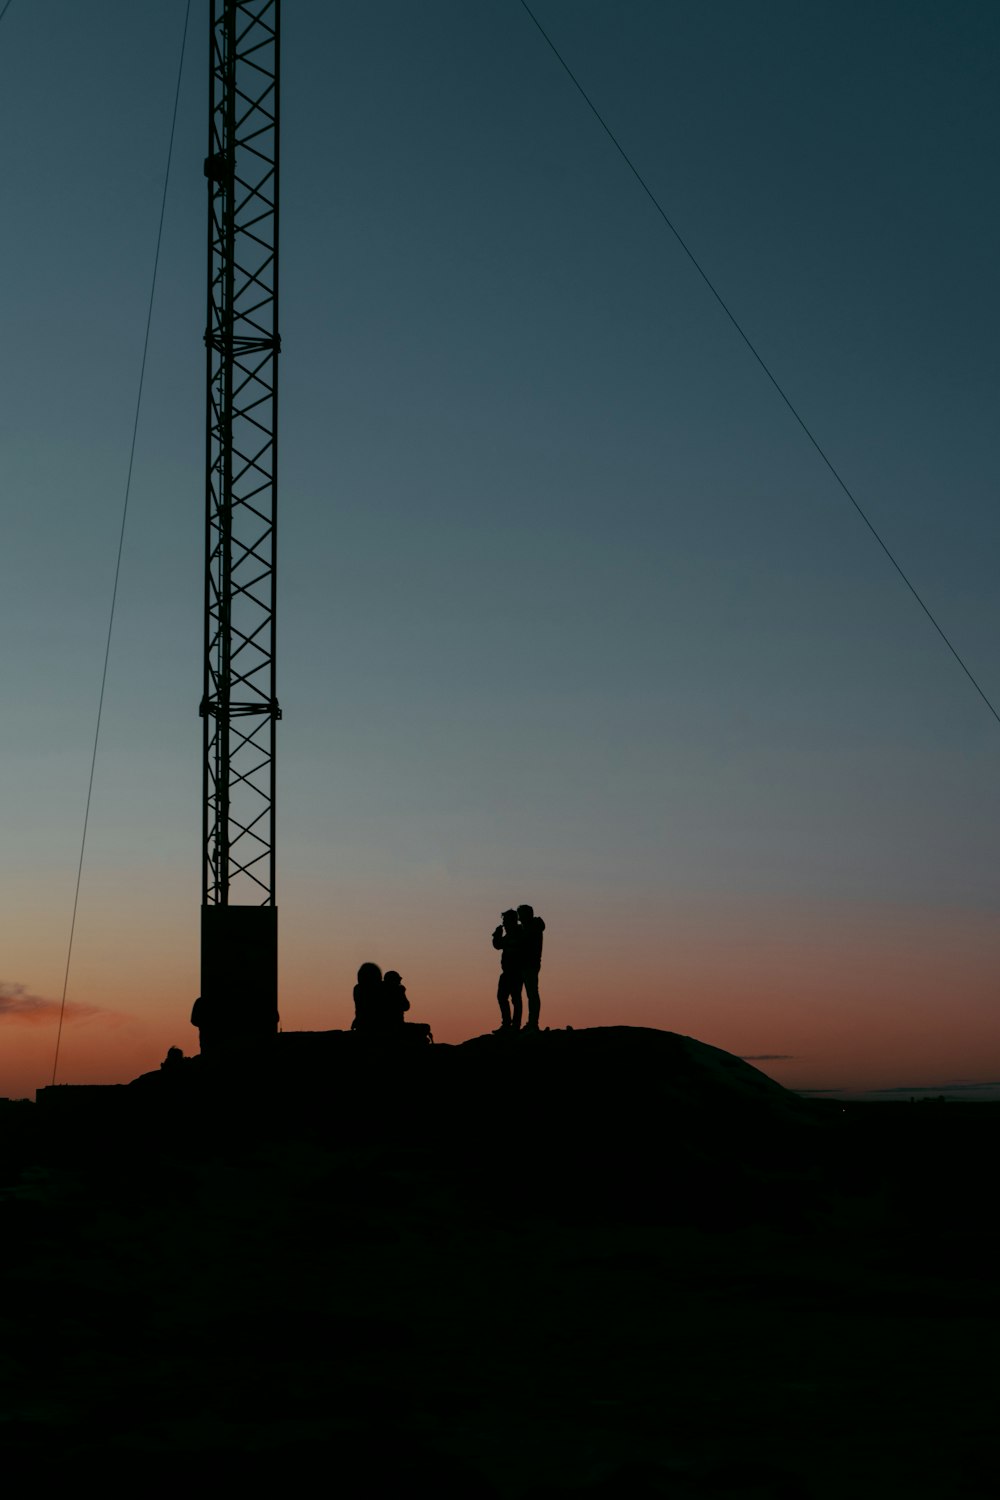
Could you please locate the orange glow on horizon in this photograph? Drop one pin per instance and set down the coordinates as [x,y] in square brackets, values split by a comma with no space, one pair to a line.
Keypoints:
[903,1001]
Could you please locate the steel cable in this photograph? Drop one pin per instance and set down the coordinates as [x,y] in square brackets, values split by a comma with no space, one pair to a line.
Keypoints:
[753,350]
[121,537]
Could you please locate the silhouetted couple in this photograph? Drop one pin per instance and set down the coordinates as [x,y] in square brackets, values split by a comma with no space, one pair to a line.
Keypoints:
[519,939]
[380,1002]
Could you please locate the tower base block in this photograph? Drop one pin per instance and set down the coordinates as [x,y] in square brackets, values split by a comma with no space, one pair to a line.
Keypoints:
[239,976]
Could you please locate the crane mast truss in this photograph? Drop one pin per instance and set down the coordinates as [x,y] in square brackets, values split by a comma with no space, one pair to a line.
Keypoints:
[239,704]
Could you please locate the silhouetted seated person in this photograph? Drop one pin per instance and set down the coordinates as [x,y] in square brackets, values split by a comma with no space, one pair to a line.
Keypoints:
[173,1059]
[507,939]
[368,999]
[532,928]
[380,1006]
[226,1023]
[205,1015]
[394,1002]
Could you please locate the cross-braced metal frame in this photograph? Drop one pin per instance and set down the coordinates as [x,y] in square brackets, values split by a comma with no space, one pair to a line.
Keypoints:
[239,706]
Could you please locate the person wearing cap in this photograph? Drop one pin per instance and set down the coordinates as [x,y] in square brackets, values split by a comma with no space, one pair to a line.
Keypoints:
[507,940]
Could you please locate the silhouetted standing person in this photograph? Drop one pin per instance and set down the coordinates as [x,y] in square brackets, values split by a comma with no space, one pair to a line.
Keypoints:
[394,1001]
[507,938]
[532,928]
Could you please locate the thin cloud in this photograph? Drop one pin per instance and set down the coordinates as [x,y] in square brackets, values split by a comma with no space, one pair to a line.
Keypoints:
[17,1004]
[769,1057]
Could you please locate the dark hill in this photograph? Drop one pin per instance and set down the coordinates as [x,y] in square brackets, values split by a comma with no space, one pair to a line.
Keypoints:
[628,1067]
[608,1121]
[574,1083]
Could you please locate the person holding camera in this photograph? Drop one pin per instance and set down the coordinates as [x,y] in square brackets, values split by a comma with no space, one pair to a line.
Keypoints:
[507,940]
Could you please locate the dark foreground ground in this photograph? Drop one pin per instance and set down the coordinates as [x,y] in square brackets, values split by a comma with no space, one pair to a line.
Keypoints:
[604,1263]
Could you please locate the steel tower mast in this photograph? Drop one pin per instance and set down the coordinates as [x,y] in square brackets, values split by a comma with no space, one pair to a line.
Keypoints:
[239,708]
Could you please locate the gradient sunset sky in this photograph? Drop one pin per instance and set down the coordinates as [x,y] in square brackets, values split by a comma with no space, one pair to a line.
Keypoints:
[570,611]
